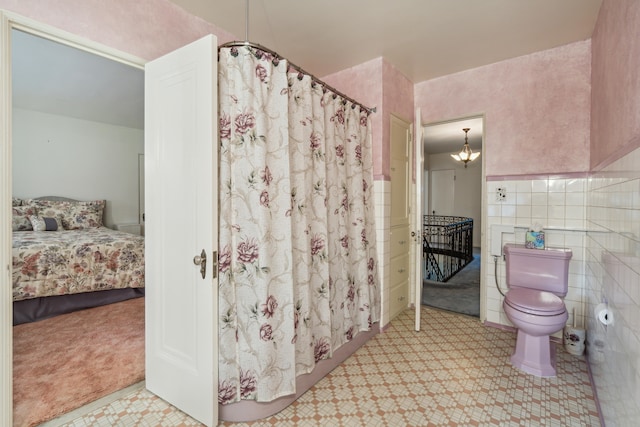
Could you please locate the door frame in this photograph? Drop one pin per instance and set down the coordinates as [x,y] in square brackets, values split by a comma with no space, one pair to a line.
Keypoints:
[8,22]
[483,212]
[417,195]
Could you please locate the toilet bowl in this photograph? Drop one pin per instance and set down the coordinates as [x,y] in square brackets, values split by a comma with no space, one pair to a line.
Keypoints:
[537,315]
[537,281]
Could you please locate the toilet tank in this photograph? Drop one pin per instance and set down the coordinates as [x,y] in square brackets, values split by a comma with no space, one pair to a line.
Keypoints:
[541,269]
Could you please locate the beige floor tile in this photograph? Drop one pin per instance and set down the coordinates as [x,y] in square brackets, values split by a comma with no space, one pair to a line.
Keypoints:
[454,372]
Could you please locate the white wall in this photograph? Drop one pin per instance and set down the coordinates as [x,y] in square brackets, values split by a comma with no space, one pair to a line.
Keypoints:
[382,197]
[467,200]
[613,276]
[63,156]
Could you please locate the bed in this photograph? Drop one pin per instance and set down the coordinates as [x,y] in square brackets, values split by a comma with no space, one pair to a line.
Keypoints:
[65,259]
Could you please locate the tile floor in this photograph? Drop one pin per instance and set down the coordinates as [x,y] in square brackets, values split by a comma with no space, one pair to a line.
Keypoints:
[454,372]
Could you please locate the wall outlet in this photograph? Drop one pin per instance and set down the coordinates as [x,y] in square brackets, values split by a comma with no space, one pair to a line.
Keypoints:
[501,194]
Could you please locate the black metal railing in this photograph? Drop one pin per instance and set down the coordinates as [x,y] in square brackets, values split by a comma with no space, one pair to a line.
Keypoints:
[447,245]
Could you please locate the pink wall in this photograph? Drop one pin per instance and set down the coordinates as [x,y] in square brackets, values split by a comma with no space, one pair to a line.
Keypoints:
[151,28]
[144,28]
[397,100]
[537,109]
[615,106]
[398,92]
[377,83]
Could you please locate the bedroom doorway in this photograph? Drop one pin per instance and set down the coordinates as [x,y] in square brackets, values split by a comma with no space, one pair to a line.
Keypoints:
[171,322]
[97,171]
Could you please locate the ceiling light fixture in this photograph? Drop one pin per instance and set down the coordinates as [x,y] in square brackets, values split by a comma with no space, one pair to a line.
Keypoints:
[465,155]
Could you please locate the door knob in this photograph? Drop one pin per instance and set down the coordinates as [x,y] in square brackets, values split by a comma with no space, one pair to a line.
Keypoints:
[201,260]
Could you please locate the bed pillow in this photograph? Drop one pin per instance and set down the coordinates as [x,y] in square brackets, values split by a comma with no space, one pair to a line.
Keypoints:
[74,215]
[20,218]
[83,215]
[43,223]
[51,209]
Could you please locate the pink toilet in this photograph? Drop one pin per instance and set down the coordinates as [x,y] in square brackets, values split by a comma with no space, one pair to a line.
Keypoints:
[537,280]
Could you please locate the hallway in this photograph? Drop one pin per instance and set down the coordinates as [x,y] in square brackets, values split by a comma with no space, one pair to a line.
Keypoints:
[454,372]
[460,294]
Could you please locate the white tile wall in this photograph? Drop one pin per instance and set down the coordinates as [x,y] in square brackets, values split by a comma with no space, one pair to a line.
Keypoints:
[557,204]
[382,194]
[613,276]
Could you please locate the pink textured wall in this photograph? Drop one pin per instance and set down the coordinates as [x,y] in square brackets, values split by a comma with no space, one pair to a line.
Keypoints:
[377,83]
[144,28]
[398,92]
[397,100]
[537,109]
[615,106]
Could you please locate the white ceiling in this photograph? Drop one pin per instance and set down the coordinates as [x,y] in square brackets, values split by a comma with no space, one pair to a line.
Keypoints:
[58,79]
[449,137]
[424,39]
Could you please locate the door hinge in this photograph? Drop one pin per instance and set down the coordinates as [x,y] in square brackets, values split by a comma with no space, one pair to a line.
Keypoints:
[214,267]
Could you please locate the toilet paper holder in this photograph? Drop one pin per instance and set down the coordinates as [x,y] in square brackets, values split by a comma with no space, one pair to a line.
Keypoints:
[603,314]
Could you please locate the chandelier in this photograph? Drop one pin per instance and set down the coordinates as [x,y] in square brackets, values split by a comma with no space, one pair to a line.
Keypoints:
[465,155]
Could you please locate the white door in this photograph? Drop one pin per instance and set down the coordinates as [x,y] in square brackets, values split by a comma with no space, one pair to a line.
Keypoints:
[400,173]
[442,191]
[418,166]
[181,221]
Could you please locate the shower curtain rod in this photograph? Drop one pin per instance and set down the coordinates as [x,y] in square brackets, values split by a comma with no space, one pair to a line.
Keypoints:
[299,69]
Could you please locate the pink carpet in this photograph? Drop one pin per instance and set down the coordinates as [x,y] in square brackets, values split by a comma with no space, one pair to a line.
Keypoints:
[62,363]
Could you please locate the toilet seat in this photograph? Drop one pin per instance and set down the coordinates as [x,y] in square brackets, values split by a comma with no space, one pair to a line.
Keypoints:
[534,302]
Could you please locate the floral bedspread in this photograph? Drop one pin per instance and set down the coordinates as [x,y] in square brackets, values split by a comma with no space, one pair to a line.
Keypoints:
[64,262]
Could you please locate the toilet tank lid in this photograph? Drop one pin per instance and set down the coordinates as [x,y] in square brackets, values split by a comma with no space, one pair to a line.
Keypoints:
[514,248]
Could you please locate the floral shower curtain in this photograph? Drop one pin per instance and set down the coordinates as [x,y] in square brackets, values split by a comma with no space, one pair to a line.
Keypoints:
[298,274]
